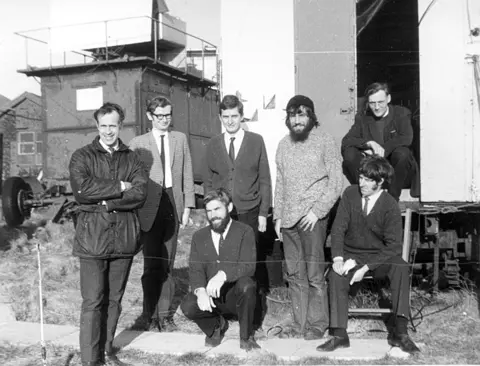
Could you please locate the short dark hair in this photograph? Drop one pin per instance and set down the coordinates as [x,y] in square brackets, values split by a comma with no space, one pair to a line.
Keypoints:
[219,194]
[230,102]
[108,108]
[375,88]
[158,102]
[377,168]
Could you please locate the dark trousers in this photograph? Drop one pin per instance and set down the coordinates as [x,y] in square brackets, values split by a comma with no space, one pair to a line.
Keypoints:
[401,159]
[395,269]
[305,264]
[250,218]
[102,284]
[159,250]
[236,298]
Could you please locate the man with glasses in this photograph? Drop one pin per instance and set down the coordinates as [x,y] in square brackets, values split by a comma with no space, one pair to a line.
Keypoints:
[384,130]
[166,156]
[309,183]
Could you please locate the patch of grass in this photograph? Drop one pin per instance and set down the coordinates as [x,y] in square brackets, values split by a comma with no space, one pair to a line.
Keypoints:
[447,323]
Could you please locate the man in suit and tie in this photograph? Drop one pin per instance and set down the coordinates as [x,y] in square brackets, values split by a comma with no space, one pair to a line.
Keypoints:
[385,130]
[367,236]
[166,156]
[222,265]
[237,161]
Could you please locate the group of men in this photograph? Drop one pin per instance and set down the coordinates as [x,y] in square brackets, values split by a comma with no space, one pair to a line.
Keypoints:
[136,198]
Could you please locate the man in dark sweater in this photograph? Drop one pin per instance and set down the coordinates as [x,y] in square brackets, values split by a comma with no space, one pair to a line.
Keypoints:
[222,264]
[367,236]
[237,161]
[385,130]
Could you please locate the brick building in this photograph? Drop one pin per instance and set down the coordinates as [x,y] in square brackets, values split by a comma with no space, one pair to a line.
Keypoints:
[21,138]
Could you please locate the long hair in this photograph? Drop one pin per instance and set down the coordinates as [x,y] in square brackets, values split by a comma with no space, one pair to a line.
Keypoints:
[377,168]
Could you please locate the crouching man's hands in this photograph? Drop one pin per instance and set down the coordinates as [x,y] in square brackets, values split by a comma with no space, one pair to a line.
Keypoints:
[215,284]
[204,302]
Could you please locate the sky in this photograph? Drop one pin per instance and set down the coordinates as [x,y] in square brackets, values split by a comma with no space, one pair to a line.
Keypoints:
[202,17]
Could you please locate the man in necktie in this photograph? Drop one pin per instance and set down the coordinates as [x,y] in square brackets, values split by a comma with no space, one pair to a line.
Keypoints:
[367,236]
[170,196]
[237,161]
[222,265]
[385,130]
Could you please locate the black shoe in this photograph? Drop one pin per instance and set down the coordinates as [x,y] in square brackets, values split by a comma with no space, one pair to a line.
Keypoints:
[334,343]
[167,325]
[249,344]
[216,338]
[112,360]
[313,334]
[404,342]
[142,323]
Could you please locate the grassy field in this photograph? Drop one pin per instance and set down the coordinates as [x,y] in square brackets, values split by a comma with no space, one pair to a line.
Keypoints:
[448,323]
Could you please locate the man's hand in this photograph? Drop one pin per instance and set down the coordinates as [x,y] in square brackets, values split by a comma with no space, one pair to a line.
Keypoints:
[262,224]
[215,284]
[204,302]
[338,266]
[125,186]
[308,221]
[278,229]
[185,217]
[358,275]
[377,148]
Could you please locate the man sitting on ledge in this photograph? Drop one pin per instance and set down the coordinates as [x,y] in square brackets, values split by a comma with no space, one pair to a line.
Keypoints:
[367,236]
[222,265]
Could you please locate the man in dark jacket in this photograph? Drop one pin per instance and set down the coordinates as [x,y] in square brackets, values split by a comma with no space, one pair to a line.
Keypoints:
[109,182]
[385,130]
[222,264]
[367,236]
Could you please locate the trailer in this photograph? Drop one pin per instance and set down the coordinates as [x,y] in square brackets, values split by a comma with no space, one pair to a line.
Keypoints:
[330,50]
[115,67]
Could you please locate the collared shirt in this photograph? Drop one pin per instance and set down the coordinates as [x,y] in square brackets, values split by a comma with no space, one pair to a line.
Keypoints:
[107,148]
[166,147]
[371,200]
[239,135]
[216,237]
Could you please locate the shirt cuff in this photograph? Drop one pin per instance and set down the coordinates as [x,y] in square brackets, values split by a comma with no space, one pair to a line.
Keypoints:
[338,259]
[198,289]
[122,186]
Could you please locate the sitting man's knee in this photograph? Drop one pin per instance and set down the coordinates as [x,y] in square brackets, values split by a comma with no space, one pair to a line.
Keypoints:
[350,154]
[246,285]
[400,154]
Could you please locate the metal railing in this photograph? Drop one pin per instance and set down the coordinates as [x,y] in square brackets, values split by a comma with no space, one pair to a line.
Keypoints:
[40,50]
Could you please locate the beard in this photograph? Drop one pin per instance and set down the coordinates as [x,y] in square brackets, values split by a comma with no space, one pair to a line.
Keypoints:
[302,135]
[219,224]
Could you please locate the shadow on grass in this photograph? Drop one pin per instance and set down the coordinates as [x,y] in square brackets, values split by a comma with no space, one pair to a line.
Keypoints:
[22,234]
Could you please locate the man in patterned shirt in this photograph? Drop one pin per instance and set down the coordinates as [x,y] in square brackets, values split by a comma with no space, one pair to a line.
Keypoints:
[309,182]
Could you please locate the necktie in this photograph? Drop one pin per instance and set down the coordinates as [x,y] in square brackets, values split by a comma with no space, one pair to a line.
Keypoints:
[111,150]
[162,156]
[365,206]
[231,150]
[220,243]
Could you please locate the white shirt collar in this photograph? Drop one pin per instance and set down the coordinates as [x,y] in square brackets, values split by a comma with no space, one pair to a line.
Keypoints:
[107,148]
[372,200]
[159,133]
[238,135]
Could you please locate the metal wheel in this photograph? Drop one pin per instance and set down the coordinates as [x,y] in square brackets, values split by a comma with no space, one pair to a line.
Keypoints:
[15,192]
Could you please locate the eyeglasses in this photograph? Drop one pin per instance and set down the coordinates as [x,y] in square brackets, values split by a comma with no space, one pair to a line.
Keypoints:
[162,116]
[381,103]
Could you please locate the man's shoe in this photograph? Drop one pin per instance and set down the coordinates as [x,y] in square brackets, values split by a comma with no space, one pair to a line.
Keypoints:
[112,360]
[167,325]
[218,333]
[313,334]
[142,323]
[334,343]
[154,326]
[249,344]
[404,342]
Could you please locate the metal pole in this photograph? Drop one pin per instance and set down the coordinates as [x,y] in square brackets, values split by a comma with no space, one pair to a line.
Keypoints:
[203,61]
[26,52]
[106,40]
[155,40]
[42,339]
[50,43]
